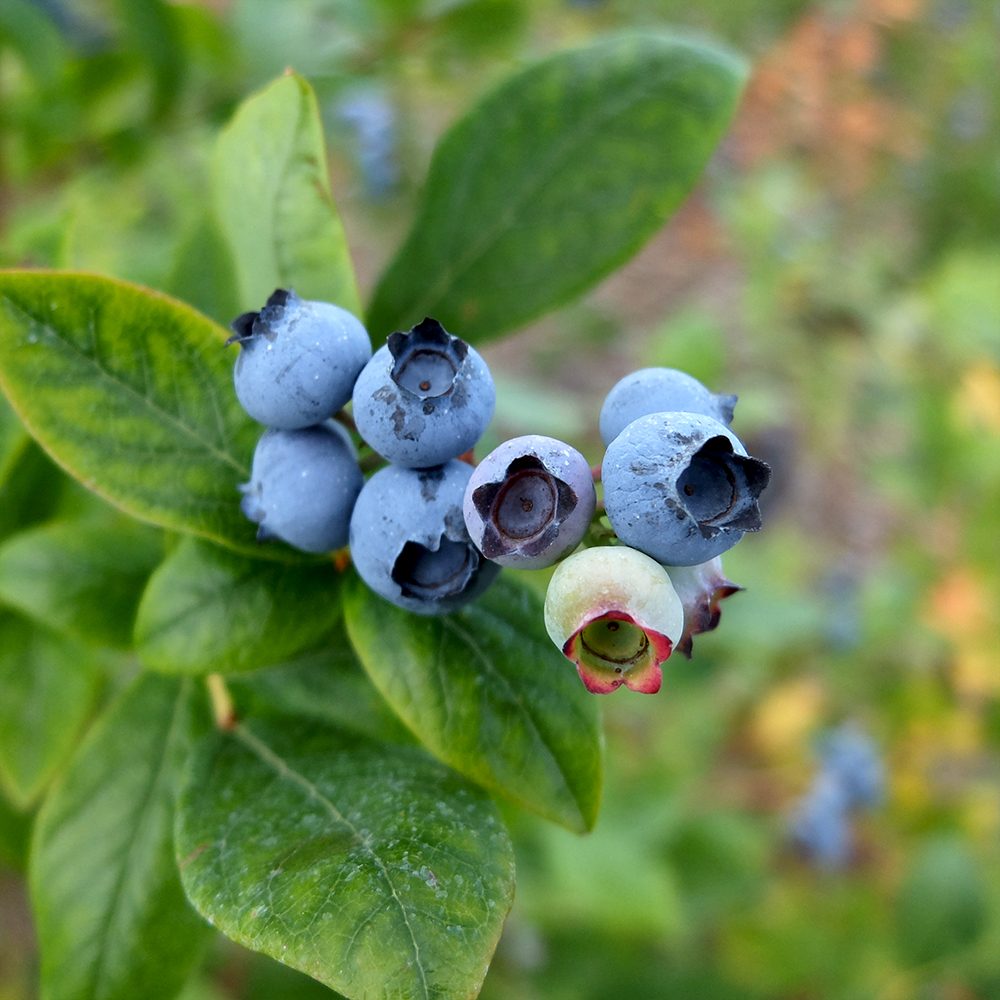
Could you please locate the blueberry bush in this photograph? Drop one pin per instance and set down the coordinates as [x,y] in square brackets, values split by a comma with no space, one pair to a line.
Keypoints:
[261,671]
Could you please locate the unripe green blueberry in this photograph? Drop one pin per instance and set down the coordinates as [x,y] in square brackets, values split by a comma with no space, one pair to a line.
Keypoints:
[614,612]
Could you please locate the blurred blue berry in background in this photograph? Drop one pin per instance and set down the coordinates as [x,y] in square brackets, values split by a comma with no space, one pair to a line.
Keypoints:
[851,777]
[849,754]
[373,121]
[821,824]
[842,599]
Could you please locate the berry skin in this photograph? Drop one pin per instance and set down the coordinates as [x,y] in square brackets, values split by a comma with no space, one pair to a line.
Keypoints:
[409,542]
[681,488]
[615,614]
[659,390]
[700,588]
[298,360]
[302,487]
[424,398]
[529,502]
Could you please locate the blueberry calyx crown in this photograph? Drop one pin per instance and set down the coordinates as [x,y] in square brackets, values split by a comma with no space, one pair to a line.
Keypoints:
[524,510]
[426,359]
[721,489]
[431,574]
[250,324]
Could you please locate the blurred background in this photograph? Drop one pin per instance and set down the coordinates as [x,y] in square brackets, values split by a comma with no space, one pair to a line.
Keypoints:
[810,808]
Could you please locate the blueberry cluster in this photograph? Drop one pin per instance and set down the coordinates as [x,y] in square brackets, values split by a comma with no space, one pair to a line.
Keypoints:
[296,368]
[679,490]
[850,778]
[420,402]
[429,532]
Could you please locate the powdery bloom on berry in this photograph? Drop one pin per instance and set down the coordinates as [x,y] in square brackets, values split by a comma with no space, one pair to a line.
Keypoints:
[529,502]
[615,614]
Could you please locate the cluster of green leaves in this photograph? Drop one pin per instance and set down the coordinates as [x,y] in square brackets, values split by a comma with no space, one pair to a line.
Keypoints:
[348,824]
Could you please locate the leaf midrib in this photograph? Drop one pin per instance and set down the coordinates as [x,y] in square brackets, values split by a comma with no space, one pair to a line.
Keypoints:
[268,757]
[536,180]
[154,406]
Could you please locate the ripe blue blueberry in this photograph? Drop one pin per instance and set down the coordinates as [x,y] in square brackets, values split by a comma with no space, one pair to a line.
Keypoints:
[409,542]
[424,398]
[298,360]
[302,487]
[681,488]
[529,502]
[659,390]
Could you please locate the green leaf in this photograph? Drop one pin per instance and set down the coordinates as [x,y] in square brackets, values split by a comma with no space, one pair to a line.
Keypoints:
[113,923]
[941,906]
[152,31]
[555,179]
[369,866]
[208,610]
[30,485]
[48,687]
[131,392]
[26,28]
[31,491]
[329,685]
[12,438]
[80,578]
[272,198]
[15,835]
[204,274]
[488,693]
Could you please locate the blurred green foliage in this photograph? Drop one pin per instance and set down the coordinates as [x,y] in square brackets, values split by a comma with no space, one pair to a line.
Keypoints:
[839,268]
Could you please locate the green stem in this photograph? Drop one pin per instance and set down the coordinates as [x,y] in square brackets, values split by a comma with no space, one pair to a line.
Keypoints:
[222,702]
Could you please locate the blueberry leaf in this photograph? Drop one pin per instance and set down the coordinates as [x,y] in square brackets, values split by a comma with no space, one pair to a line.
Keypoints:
[328,684]
[271,195]
[29,482]
[204,273]
[371,867]
[80,578]
[207,609]
[131,392]
[13,438]
[555,179]
[48,689]
[15,835]
[112,919]
[486,691]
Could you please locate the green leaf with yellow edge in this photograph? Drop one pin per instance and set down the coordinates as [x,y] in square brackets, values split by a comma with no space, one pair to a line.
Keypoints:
[272,199]
[486,691]
[131,392]
[210,610]
[555,179]
[369,866]
[112,919]
[48,689]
